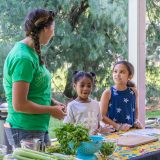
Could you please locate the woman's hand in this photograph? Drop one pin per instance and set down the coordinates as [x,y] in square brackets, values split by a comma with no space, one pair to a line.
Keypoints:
[62,106]
[57,112]
[138,124]
[54,101]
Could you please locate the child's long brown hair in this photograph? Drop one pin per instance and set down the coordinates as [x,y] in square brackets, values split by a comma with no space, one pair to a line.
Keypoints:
[130,69]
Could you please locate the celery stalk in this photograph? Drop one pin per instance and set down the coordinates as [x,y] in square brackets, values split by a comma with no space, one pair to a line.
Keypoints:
[21,158]
[56,157]
[27,153]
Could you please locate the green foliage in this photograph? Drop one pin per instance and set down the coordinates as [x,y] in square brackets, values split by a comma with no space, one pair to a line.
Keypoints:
[54,123]
[153,114]
[153,53]
[107,148]
[89,34]
[4,48]
[70,135]
[87,39]
[153,84]
[54,149]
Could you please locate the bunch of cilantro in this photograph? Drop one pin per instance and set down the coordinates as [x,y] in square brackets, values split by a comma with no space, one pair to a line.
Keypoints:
[70,136]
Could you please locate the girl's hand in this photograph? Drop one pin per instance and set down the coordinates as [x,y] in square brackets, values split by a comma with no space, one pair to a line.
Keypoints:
[123,127]
[95,132]
[138,124]
[106,129]
[57,112]
[103,130]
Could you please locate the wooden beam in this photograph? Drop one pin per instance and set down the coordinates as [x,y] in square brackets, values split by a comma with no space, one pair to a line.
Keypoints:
[136,48]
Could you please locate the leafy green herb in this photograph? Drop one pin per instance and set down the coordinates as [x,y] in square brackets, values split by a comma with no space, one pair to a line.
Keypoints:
[107,148]
[70,136]
[54,149]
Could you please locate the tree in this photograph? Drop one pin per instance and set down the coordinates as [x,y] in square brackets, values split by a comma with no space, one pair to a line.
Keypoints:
[88,39]
[153,52]
[88,35]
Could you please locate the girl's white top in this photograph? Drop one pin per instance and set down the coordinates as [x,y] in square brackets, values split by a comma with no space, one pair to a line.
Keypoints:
[87,114]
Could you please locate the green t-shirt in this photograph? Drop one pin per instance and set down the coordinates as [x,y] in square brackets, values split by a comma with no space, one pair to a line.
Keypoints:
[22,64]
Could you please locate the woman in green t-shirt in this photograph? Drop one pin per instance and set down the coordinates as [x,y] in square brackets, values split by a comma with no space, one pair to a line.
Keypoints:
[27,82]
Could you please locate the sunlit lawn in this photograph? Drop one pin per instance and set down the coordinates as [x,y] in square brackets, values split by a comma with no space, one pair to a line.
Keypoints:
[54,123]
[153,114]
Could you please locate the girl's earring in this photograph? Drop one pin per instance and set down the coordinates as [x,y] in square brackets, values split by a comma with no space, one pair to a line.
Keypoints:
[74,87]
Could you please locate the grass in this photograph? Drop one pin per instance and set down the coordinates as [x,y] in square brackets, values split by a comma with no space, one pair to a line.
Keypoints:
[55,123]
[153,114]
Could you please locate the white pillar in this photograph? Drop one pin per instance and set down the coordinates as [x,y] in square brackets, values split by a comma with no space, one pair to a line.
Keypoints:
[136,48]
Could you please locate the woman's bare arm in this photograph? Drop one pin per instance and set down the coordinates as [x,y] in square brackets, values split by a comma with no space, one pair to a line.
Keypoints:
[21,103]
